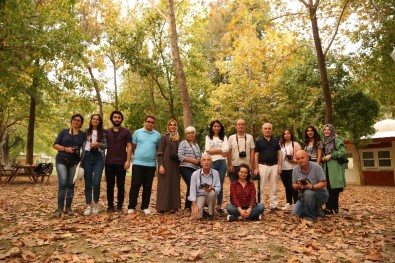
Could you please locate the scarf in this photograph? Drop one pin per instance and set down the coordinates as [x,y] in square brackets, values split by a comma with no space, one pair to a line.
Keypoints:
[174,136]
[329,141]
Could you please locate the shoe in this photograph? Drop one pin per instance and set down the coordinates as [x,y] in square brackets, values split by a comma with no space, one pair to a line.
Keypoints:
[147,211]
[220,211]
[260,217]
[209,217]
[119,210]
[95,209]
[110,209]
[88,211]
[274,210]
[287,207]
[231,218]
[69,212]
[328,211]
[130,211]
[58,212]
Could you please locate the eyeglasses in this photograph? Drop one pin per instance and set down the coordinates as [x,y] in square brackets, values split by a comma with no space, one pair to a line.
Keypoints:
[151,122]
[77,120]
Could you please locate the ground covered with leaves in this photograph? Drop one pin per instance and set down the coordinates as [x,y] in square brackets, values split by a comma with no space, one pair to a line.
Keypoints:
[363,231]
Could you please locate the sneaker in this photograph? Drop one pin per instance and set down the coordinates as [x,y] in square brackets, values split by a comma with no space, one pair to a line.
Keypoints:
[260,217]
[130,211]
[287,207]
[58,212]
[69,212]
[95,209]
[88,211]
[231,218]
[110,209]
[147,211]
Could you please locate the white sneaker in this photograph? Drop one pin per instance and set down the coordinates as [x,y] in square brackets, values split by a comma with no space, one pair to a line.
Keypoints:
[88,211]
[95,209]
[130,211]
[147,211]
[288,206]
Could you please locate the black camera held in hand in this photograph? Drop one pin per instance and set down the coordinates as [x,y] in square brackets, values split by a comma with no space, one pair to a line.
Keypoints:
[289,157]
[242,154]
[204,186]
[304,181]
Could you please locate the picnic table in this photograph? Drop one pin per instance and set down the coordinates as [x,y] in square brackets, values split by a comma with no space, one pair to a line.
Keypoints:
[23,170]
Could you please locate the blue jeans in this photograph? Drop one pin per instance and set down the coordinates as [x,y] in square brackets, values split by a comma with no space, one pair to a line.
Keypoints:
[220,166]
[93,169]
[310,203]
[256,211]
[66,185]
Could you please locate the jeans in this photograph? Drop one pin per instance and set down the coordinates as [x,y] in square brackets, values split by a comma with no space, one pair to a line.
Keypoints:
[141,175]
[66,185]
[310,203]
[93,169]
[115,171]
[290,192]
[186,174]
[256,211]
[220,166]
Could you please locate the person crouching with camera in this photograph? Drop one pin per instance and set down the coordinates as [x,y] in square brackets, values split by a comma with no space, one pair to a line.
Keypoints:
[204,188]
[309,179]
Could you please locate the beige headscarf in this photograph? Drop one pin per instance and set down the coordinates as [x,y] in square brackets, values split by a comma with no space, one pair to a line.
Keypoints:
[173,135]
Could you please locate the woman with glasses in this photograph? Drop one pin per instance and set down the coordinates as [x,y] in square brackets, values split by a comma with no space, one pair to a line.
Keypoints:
[189,156]
[68,144]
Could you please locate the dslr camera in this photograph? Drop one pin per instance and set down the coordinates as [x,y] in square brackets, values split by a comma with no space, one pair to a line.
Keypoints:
[203,186]
[242,154]
[289,157]
[304,181]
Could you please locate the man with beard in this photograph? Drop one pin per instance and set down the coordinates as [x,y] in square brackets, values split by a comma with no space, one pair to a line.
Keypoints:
[118,157]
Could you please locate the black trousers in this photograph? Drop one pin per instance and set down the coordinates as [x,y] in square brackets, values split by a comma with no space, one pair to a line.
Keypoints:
[141,176]
[290,193]
[186,174]
[115,172]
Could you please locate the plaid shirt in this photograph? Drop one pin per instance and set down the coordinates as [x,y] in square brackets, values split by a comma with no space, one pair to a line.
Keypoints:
[243,197]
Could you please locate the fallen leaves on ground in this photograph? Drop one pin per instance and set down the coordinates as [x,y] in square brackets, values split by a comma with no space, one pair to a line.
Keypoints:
[29,232]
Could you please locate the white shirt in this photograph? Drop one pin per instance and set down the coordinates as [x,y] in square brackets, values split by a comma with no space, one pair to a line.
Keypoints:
[215,144]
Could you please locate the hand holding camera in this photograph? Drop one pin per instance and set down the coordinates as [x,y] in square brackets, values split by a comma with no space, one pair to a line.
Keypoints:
[206,187]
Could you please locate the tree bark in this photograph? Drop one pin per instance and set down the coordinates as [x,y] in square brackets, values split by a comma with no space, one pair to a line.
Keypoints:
[321,64]
[182,83]
[30,130]
[96,87]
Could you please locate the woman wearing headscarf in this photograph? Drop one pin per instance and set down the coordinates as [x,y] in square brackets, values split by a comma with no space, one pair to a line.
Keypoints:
[168,193]
[334,150]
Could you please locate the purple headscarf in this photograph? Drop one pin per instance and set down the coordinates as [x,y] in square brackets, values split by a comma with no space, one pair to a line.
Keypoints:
[329,141]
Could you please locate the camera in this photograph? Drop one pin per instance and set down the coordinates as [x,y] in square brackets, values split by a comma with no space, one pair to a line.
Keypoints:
[174,157]
[242,154]
[76,150]
[202,186]
[304,181]
[289,157]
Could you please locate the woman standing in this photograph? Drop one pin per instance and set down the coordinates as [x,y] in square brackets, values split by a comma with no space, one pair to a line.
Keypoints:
[333,150]
[189,156]
[243,194]
[93,156]
[68,144]
[288,149]
[313,144]
[217,146]
[168,194]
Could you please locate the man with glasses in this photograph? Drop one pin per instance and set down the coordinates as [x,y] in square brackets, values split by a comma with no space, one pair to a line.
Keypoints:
[145,143]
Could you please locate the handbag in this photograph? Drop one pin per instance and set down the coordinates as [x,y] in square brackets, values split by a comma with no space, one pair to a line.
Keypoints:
[79,172]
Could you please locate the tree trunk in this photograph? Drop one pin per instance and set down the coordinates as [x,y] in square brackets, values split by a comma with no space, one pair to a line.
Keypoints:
[321,65]
[30,130]
[359,165]
[114,64]
[96,87]
[182,83]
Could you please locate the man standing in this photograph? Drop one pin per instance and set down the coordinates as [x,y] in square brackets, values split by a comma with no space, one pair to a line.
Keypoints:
[205,186]
[241,150]
[268,162]
[309,179]
[118,156]
[145,145]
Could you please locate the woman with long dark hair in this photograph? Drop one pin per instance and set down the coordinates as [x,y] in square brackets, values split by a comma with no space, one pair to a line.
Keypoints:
[168,196]
[334,150]
[217,146]
[93,160]
[288,149]
[68,144]
[313,144]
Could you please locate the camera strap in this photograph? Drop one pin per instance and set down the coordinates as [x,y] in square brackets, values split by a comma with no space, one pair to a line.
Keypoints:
[196,156]
[245,142]
[211,173]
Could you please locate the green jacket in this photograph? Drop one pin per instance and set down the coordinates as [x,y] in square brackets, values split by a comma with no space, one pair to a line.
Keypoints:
[333,169]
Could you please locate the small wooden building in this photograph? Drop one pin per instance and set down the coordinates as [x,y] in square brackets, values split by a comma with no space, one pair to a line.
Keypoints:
[377,158]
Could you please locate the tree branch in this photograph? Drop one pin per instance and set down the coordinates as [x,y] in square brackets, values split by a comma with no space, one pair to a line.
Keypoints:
[160,12]
[287,14]
[337,27]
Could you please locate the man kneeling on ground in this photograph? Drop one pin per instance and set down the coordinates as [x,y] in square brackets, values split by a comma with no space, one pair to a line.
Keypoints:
[205,186]
[309,179]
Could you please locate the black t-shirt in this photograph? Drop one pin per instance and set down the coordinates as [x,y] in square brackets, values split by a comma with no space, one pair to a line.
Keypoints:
[267,150]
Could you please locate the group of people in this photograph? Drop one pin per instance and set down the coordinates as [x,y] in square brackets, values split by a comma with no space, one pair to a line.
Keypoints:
[312,176]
